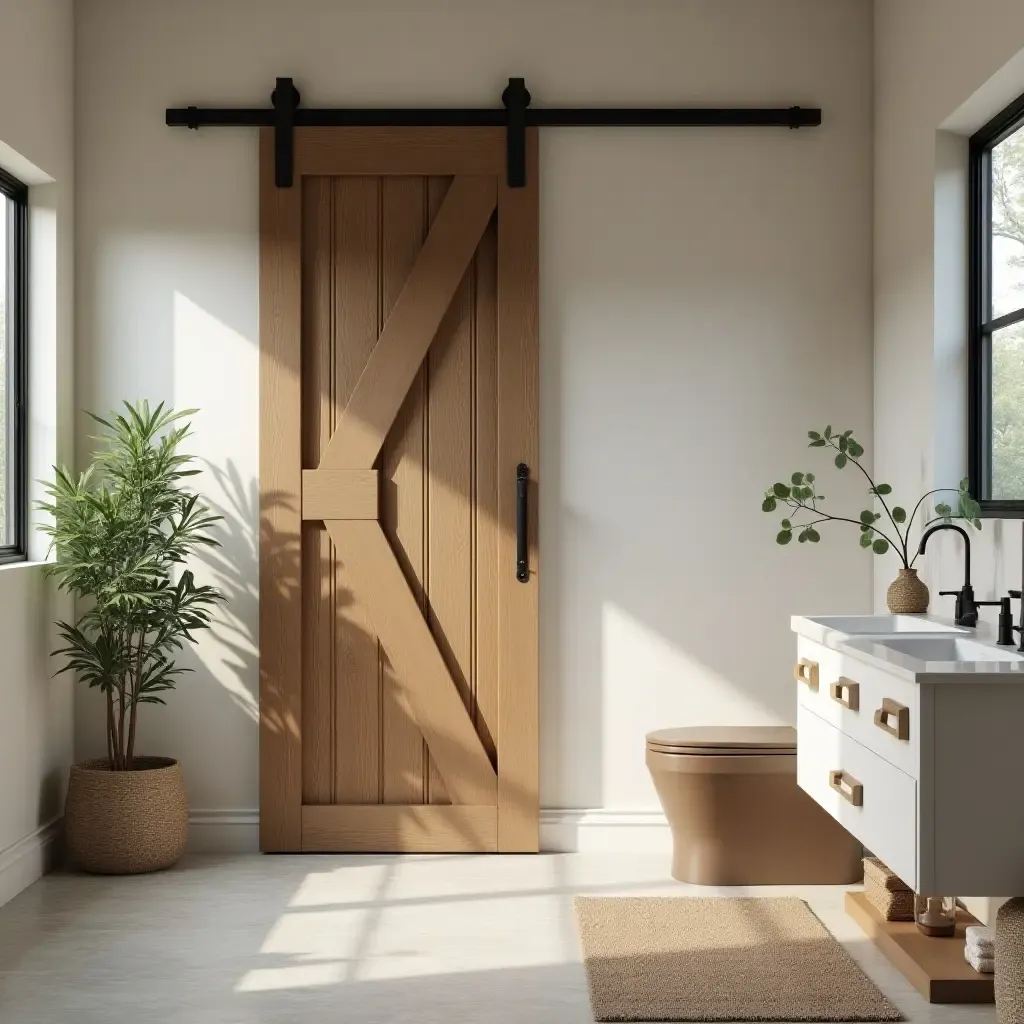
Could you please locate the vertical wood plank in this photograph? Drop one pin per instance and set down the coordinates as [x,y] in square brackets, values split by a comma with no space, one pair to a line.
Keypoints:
[318,415]
[486,534]
[357,754]
[280,463]
[518,808]
[402,505]
[437,189]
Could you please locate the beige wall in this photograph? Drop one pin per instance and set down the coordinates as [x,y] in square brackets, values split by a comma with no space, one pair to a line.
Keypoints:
[706,298]
[942,68]
[36,144]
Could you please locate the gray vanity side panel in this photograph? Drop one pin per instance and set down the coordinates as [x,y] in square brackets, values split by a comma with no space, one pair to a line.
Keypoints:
[979,789]
[926,858]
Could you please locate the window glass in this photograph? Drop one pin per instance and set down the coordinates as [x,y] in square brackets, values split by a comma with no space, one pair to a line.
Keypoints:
[1008,225]
[1008,413]
[7,467]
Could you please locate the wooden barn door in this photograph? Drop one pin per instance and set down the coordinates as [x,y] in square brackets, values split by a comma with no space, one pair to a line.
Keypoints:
[398,340]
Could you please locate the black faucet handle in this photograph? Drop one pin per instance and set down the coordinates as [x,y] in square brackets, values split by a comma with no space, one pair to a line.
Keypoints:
[1014,593]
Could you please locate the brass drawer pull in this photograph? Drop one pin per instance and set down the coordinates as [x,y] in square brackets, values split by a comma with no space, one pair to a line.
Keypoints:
[893,718]
[846,692]
[806,671]
[847,787]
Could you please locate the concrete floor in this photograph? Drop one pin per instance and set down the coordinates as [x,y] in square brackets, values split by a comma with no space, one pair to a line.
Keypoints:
[417,940]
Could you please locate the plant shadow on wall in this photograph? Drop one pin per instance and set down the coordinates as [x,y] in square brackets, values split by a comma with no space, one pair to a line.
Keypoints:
[125,531]
[879,531]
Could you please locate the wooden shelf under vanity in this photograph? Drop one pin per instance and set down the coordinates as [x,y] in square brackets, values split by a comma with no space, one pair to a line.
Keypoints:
[935,967]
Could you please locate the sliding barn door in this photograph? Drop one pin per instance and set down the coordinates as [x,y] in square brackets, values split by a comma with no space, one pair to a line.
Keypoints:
[398,340]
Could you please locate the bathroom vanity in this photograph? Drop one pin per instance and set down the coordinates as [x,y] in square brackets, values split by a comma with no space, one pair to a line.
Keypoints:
[911,735]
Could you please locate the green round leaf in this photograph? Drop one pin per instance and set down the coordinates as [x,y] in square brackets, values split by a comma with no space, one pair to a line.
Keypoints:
[812,535]
[899,515]
[865,528]
[854,449]
[867,516]
[880,546]
[977,524]
[882,489]
[786,524]
[813,435]
[840,461]
[802,537]
[781,490]
[809,477]
[783,536]
[865,539]
[942,510]
[797,478]
[843,444]
[769,505]
[828,432]
[820,443]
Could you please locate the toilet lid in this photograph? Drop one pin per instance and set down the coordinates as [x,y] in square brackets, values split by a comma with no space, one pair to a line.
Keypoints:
[759,740]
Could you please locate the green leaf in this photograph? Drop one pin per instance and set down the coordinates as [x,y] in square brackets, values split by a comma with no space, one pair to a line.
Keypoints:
[812,535]
[880,546]
[881,489]
[965,484]
[820,443]
[865,528]
[943,509]
[843,443]
[865,540]
[854,449]
[977,524]
[803,536]
[809,477]
[813,435]
[867,516]
[840,461]
[828,432]
[769,505]
[781,490]
[899,515]
[797,478]
[786,524]
[783,536]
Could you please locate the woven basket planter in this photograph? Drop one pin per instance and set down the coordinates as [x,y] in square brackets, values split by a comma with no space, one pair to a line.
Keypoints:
[124,823]
[907,594]
[1009,981]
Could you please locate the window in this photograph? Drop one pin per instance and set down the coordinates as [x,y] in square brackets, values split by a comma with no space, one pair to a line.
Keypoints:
[997,313]
[13,376]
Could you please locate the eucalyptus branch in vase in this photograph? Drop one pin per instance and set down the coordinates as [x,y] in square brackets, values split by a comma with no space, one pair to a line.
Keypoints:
[879,531]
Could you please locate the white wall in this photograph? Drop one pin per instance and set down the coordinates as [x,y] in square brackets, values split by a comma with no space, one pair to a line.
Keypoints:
[706,298]
[942,68]
[36,144]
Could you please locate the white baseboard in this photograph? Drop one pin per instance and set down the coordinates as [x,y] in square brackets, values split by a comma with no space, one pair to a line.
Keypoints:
[27,860]
[562,830]
[223,831]
[603,830]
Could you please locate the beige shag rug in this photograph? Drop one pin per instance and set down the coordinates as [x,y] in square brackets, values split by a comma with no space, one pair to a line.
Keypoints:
[707,959]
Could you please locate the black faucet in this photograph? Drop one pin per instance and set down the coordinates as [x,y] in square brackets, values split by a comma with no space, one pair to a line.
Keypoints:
[966,612]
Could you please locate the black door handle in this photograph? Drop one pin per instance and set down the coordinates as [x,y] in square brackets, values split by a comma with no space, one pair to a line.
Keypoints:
[522,513]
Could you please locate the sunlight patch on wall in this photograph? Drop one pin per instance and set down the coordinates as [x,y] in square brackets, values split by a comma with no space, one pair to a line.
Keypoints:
[649,683]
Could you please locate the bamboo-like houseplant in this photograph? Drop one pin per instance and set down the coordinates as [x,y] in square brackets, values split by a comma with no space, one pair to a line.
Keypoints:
[124,531]
[879,531]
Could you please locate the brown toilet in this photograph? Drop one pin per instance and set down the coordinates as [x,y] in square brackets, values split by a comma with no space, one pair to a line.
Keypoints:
[737,814]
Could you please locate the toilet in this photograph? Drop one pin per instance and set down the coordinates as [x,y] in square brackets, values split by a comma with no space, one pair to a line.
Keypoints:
[737,815]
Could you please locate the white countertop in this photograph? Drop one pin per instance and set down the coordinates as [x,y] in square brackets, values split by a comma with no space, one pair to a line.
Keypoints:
[922,655]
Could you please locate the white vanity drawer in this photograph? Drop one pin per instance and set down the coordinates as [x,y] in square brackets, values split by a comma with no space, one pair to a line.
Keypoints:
[879,710]
[874,801]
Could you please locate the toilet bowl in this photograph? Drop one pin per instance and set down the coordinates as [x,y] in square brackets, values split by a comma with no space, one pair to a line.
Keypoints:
[737,815]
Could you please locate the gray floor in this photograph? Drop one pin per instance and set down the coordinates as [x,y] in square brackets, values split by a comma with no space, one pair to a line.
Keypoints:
[235,940]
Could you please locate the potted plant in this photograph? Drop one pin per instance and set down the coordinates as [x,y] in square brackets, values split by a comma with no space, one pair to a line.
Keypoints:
[124,531]
[907,594]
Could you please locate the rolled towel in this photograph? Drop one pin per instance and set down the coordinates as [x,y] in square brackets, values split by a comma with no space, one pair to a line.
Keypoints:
[982,964]
[981,941]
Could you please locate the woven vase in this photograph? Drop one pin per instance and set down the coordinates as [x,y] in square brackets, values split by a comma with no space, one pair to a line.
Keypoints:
[907,595]
[1009,980]
[124,823]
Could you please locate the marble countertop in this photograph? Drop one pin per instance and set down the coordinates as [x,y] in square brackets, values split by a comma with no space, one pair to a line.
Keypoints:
[937,652]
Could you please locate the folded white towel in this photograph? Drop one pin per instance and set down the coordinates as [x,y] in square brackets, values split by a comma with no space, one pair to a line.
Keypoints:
[982,964]
[981,938]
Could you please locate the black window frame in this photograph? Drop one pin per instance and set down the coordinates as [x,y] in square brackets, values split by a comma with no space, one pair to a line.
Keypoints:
[17,371]
[981,326]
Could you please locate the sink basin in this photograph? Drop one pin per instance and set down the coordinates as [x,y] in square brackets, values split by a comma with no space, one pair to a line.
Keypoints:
[881,625]
[947,649]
